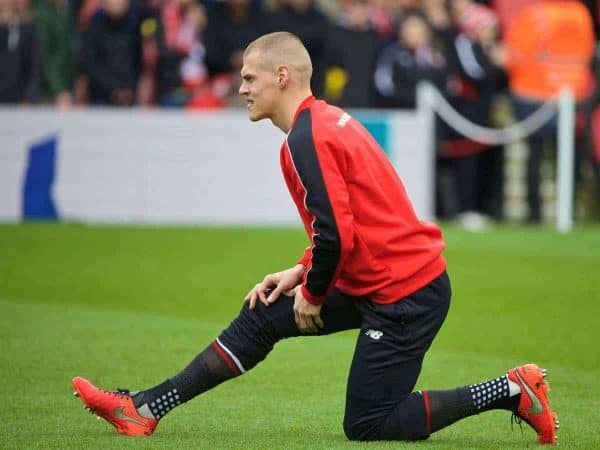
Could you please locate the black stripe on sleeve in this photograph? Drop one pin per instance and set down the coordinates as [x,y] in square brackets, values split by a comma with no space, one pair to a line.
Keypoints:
[326,241]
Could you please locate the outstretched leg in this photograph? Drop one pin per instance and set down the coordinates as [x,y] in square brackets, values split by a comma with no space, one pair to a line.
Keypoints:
[239,348]
[243,344]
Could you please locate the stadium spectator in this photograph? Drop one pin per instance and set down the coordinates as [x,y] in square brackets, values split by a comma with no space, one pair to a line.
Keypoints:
[438,15]
[146,91]
[476,168]
[20,60]
[352,48]
[177,30]
[232,24]
[372,265]
[54,22]
[189,43]
[550,46]
[112,54]
[383,14]
[302,18]
[84,11]
[409,60]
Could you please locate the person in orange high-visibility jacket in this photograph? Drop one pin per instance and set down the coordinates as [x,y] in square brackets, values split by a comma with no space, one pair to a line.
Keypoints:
[549,46]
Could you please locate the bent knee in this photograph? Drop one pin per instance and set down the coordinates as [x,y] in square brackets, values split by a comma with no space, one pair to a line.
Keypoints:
[377,431]
[358,432]
[351,432]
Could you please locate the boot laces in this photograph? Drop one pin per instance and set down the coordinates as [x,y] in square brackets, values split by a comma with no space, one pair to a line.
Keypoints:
[515,418]
[120,393]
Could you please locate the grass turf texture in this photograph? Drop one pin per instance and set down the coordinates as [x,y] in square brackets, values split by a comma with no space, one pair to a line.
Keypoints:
[128,307]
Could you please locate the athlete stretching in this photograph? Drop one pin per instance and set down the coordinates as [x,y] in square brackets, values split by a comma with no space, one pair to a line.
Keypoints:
[372,265]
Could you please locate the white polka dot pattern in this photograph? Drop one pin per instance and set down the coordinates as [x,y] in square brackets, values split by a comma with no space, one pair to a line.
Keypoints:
[485,393]
[165,403]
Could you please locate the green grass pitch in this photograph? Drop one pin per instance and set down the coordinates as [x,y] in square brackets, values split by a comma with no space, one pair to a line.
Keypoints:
[127,307]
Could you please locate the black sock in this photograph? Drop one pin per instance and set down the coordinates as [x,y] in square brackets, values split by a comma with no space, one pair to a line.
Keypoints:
[446,407]
[206,370]
[157,401]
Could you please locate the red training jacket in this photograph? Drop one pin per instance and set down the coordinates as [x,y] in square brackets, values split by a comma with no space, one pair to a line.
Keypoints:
[366,239]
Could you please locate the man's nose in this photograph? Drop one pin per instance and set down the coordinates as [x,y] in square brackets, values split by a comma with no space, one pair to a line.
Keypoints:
[243,90]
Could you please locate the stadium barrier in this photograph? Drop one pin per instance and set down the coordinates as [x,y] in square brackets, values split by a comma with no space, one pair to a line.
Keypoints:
[171,167]
[430,101]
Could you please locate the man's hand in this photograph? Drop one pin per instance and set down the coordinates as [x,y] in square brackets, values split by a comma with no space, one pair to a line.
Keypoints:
[279,282]
[308,316]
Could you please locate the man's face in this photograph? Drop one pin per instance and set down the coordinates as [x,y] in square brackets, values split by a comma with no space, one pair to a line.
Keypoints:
[414,33]
[260,87]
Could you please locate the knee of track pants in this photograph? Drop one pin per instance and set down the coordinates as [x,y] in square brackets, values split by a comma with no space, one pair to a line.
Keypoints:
[365,433]
[253,334]
[403,422]
[360,431]
[351,432]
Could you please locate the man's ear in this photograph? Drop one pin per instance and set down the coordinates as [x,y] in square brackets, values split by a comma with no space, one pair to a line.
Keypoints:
[283,76]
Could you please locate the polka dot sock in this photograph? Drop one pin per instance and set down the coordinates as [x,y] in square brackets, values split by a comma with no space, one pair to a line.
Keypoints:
[165,403]
[485,394]
[446,407]
[158,401]
[204,372]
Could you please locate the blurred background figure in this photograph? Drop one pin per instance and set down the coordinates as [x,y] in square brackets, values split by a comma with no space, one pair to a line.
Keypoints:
[54,23]
[232,25]
[112,55]
[150,33]
[302,18]
[411,58]
[173,54]
[550,46]
[352,48]
[438,16]
[383,15]
[20,59]
[474,190]
[84,11]
[189,44]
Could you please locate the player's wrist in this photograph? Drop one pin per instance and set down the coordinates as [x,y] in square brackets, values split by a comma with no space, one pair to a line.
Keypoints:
[298,270]
[312,299]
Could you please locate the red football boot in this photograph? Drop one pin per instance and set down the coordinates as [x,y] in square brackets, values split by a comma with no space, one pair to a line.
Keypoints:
[534,407]
[116,407]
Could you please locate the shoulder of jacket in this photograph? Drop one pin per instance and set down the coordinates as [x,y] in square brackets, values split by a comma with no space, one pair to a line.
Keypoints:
[299,137]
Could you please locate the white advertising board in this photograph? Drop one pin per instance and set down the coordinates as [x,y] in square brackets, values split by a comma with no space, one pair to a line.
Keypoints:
[169,167]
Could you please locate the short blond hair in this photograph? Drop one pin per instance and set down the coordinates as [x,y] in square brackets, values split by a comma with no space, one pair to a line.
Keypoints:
[283,48]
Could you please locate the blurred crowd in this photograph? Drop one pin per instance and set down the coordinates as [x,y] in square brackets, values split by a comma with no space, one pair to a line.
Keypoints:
[366,53]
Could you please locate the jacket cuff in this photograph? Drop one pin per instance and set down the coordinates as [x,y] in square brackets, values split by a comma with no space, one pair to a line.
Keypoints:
[312,299]
[305,259]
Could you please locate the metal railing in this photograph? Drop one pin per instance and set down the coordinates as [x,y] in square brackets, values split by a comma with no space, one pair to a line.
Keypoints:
[430,101]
